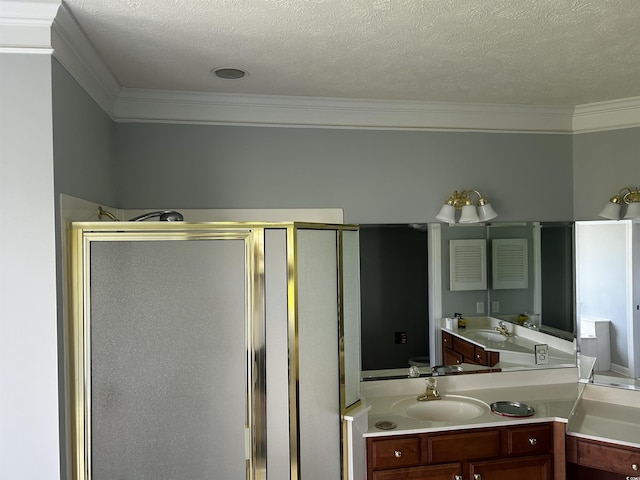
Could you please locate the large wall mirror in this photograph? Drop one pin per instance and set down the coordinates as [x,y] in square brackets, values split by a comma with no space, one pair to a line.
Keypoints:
[608,301]
[401,308]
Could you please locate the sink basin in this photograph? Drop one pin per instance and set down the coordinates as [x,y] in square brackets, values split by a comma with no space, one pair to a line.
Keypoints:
[486,334]
[451,408]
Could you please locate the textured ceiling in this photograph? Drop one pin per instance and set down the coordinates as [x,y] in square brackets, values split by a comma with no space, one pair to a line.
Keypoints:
[546,52]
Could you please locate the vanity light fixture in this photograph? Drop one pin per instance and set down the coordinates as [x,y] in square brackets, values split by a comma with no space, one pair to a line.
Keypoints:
[470,212]
[613,210]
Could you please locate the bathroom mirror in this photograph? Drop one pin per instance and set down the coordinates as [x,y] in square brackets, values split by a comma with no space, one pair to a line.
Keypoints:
[550,296]
[395,286]
[608,297]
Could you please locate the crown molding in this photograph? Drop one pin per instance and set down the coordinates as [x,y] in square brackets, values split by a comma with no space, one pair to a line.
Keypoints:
[47,26]
[25,26]
[611,115]
[139,105]
[74,51]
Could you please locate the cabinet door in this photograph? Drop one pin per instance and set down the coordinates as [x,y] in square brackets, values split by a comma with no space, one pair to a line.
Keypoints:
[451,358]
[610,458]
[464,348]
[451,471]
[523,468]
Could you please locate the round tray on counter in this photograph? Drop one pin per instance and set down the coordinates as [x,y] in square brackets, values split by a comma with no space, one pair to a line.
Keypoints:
[512,409]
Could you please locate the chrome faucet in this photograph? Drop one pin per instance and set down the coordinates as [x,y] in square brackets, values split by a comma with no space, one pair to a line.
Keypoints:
[502,329]
[432,392]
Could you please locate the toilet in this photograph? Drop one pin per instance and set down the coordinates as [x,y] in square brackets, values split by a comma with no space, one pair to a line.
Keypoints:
[419,361]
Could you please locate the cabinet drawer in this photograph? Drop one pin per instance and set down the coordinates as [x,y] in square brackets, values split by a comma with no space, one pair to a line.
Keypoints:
[435,472]
[463,446]
[464,348]
[530,440]
[616,458]
[396,452]
[446,339]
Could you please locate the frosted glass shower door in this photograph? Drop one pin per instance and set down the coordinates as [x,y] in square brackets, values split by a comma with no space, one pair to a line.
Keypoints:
[167,350]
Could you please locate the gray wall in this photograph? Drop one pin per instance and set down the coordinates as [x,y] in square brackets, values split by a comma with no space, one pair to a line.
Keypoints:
[82,143]
[603,163]
[83,138]
[376,176]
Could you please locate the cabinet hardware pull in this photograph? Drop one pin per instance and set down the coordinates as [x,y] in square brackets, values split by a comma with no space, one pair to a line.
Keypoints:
[458,477]
[635,467]
[533,441]
[398,453]
[477,476]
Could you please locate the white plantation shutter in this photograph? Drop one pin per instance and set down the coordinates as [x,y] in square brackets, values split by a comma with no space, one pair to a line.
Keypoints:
[510,263]
[468,269]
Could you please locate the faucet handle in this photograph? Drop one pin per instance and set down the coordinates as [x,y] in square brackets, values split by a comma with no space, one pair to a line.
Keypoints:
[432,382]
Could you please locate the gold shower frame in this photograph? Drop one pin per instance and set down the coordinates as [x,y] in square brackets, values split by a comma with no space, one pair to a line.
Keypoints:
[80,236]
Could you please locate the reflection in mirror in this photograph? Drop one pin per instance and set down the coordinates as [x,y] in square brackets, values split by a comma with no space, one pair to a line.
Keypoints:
[394,284]
[548,301]
[608,286]
[394,297]
[540,295]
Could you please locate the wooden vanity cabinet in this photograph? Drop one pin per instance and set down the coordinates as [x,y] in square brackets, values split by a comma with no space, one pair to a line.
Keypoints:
[456,350]
[601,460]
[500,453]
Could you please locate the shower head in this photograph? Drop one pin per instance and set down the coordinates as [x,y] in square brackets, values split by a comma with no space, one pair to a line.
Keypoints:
[163,216]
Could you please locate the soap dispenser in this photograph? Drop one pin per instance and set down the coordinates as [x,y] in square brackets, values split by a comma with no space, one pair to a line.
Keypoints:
[462,323]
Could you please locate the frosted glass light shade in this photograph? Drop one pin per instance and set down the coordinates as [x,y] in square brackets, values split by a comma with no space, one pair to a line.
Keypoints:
[611,211]
[486,212]
[633,210]
[469,214]
[447,214]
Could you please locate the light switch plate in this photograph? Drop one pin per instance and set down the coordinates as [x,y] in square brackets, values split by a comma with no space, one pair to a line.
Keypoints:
[542,354]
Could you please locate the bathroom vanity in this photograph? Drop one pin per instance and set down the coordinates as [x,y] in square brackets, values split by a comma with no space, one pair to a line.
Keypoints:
[457,350]
[459,437]
[576,431]
[490,342]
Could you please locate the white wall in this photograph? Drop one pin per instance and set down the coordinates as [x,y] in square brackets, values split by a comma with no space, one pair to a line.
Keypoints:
[603,280]
[29,441]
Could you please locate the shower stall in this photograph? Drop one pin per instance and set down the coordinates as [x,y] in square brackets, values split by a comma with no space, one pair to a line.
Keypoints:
[212,350]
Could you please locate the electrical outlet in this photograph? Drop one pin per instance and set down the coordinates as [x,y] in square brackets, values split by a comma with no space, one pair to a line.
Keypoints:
[495,307]
[400,338]
[542,354]
[479,307]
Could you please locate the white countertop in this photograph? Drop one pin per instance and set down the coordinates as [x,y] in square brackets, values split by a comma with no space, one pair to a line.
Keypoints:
[590,411]
[552,393]
[517,349]
[607,414]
